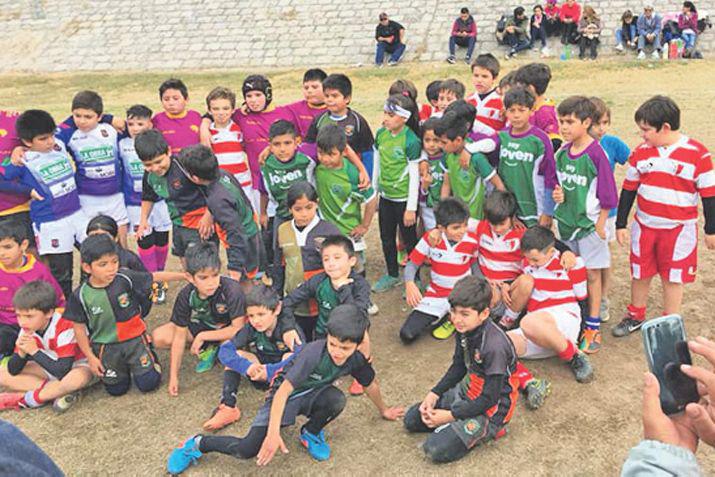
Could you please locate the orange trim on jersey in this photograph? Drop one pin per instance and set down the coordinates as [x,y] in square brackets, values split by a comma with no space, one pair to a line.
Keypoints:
[24,207]
[29,264]
[191,219]
[312,302]
[181,115]
[132,328]
[513,397]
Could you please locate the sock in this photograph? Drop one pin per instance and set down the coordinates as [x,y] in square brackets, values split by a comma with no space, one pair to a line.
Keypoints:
[567,354]
[160,255]
[636,312]
[148,258]
[32,399]
[593,323]
[523,375]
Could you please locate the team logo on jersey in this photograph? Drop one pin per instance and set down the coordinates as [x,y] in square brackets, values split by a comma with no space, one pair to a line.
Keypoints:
[221,308]
[3,132]
[104,133]
[477,357]
[176,184]
[55,243]
[349,130]
[123,300]
[57,147]
[194,128]
[471,427]
[144,360]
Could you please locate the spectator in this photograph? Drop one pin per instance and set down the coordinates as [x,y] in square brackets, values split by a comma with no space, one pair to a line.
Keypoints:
[649,25]
[515,32]
[589,29]
[688,24]
[628,33]
[464,33]
[390,37]
[553,22]
[538,29]
[570,15]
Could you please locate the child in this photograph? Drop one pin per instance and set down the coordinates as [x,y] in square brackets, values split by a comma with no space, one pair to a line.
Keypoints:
[490,110]
[47,366]
[430,108]
[178,125]
[586,192]
[304,112]
[536,77]
[304,387]
[207,311]
[396,178]
[688,25]
[450,90]
[57,217]
[258,351]
[569,14]
[553,22]
[537,29]
[93,146]
[432,171]
[589,27]
[666,174]
[628,33]
[476,397]
[104,224]
[17,267]
[108,313]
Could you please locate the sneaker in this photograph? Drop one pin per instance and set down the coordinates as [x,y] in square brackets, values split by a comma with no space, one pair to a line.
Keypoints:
[591,341]
[581,367]
[627,326]
[619,47]
[655,55]
[10,400]
[317,447]
[356,388]
[222,417]
[385,283]
[161,293]
[380,65]
[467,60]
[154,291]
[63,403]
[444,331]
[508,55]
[536,391]
[641,55]
[182,457]
[373,310]
[605,310]
[207,358]
[545,52]
[451,60]
[392,63]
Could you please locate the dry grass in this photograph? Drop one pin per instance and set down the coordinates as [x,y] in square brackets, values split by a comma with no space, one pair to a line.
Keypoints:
[582,429]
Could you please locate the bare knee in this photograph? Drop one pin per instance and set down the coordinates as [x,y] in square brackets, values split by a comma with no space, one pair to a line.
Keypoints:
[163,336]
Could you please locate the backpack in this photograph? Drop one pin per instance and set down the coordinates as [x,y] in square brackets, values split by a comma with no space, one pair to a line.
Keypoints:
[501,26]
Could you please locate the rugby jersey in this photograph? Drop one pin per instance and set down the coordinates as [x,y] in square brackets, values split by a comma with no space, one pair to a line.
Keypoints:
[132,171]
[58,340]
[303,114]
[179,130]
[545,118]
[227,144]
[554,286]
[489,117]
[14,197]
[499,255]
[12,279]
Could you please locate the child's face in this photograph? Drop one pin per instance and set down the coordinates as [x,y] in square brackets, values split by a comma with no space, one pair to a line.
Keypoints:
[392,121]
[262,318]
[255,101]
[11,253]
[159,165]
[173,101]
[452,146]
[332,159]
[336,262]
[538,258]
[313,93]
[31,321]
[138,125]
[600,128]
[482,79]
[431,143]
[502,227]
[518,116]
[283,147]
[340,351]
[335,101]
[41,143]
[445,98]
[85,119]
[652,137]
[103,270]
[454,232]
[221,109]
[206,281]
[304,211]
[538,11]
[466,319]
[572,128]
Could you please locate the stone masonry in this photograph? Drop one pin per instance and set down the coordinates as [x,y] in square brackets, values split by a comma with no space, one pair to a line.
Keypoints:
[71,35]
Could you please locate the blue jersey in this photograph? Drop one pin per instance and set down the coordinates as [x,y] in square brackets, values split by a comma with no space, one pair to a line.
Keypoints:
[132,171]
[618,152]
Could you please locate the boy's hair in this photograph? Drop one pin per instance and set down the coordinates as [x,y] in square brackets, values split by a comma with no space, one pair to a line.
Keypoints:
[298,190]
[580,106]
[452,126]
[339,82]
[13,231]
[330,137]
[537,75]
[465,111]
[280,128]
[202,256]
[451,210]
[453,85]
[537,238]
[173,83]
[95,247]
[139,111]
[33,123]
[432,90]
[430,125]
[499,206]
[405,88]
[602,108]
[520,96]
[338,241]
[88,100]
[200,161]
[221,93]
[150,144]
[314,74]
[261,295]
[657,111]
[471,292]
[104,223]
[518,11]
[347,323]
[35,295]
[507,80]
[489,62]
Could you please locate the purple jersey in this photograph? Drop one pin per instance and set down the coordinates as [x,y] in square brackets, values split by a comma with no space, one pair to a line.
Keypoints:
[303,114]
[12,280]
[14,197]
[132,172]
[179,131]
[545,118]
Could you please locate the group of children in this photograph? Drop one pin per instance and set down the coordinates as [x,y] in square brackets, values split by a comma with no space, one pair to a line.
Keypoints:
[489,180]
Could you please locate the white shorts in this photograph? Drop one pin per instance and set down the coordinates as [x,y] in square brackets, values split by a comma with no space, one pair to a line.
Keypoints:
[428,220]
[568,321]
[611,229]
[593,250]
[60,236]
[159,219]
[111,205]
[430,305]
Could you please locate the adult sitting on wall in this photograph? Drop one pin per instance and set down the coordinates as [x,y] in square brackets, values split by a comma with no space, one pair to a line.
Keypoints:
[390,37]
[515,33]
[649,25]
[464,33]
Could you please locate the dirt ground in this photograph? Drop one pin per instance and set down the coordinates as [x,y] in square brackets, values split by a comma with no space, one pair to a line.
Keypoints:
[581,430]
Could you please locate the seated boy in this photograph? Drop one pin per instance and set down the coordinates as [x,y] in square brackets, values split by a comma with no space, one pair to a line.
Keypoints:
[258,351]
[108,312]
[476,397]
[304,387]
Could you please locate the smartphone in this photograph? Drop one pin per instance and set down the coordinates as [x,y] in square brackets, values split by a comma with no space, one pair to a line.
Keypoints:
[666,348]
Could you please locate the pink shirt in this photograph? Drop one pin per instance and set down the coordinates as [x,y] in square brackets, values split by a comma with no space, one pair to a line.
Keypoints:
[11,201]
[545,118]
[302,115]
[179,131]
[12,280]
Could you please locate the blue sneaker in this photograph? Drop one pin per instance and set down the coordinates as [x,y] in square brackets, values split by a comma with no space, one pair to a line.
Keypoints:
[182,457]
[316,445]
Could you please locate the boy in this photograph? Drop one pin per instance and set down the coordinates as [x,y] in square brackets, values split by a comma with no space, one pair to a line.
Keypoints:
[178,125]
[207,311]
[258,351]
[666,174]
[489,117]
[430,108]
[536,77]
[57,217]
[108,313]
[304,387]
[93,147]
[432,171]
[450,90]
[586,192]
[304,112]
[47,365]
[476,397]
[17,268]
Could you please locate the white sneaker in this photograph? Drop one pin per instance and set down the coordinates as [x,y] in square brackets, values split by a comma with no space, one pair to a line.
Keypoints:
[641,55]
[373,310]
[619,47]
[655,55]
[545,52]
[665,54]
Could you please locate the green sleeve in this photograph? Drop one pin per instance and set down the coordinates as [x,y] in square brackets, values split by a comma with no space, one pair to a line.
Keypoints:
[354,178]
[481,165]
[413,146]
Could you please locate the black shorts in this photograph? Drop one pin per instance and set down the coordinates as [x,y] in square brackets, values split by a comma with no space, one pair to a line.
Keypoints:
[22,218]
[196,327]
[185,237]
[122,360]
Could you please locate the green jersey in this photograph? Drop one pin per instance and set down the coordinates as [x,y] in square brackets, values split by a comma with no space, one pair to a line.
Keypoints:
[340,197]
[395,153]
[468,184]
[437,169]
[279,176]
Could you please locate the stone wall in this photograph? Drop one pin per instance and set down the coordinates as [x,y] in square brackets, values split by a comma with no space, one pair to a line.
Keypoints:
[69,35]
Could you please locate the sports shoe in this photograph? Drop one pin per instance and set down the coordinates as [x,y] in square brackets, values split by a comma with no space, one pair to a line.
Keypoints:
[373,310]
[508,55]
[641,55]
[604,311]
[385,283]
[161,293]
[627,326]
[207,358]
[591,341]
[182,457]
[10,400]
[581,367]
[467,60]
[222,417]
[655,55]
[536,391]
[619,47]
[392,63]
[356,388]
[317,447]
[451,60]
[63,403]
[444,331]
[545,52]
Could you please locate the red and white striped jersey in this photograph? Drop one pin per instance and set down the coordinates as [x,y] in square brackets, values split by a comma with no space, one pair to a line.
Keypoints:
[555,286]
[489,119]
[227,144]
[58,340]
[450,263]
[668,181]
[500,256]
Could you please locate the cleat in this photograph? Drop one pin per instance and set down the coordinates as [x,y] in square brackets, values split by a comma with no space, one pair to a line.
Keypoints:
[222,417]
[182,457]
[207,359]
[63,403]
[591,341]
[444,331]
[317,447]
[581,367]
[356,388]
[10,400]
[373,310]
[627,326]
[536,392]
